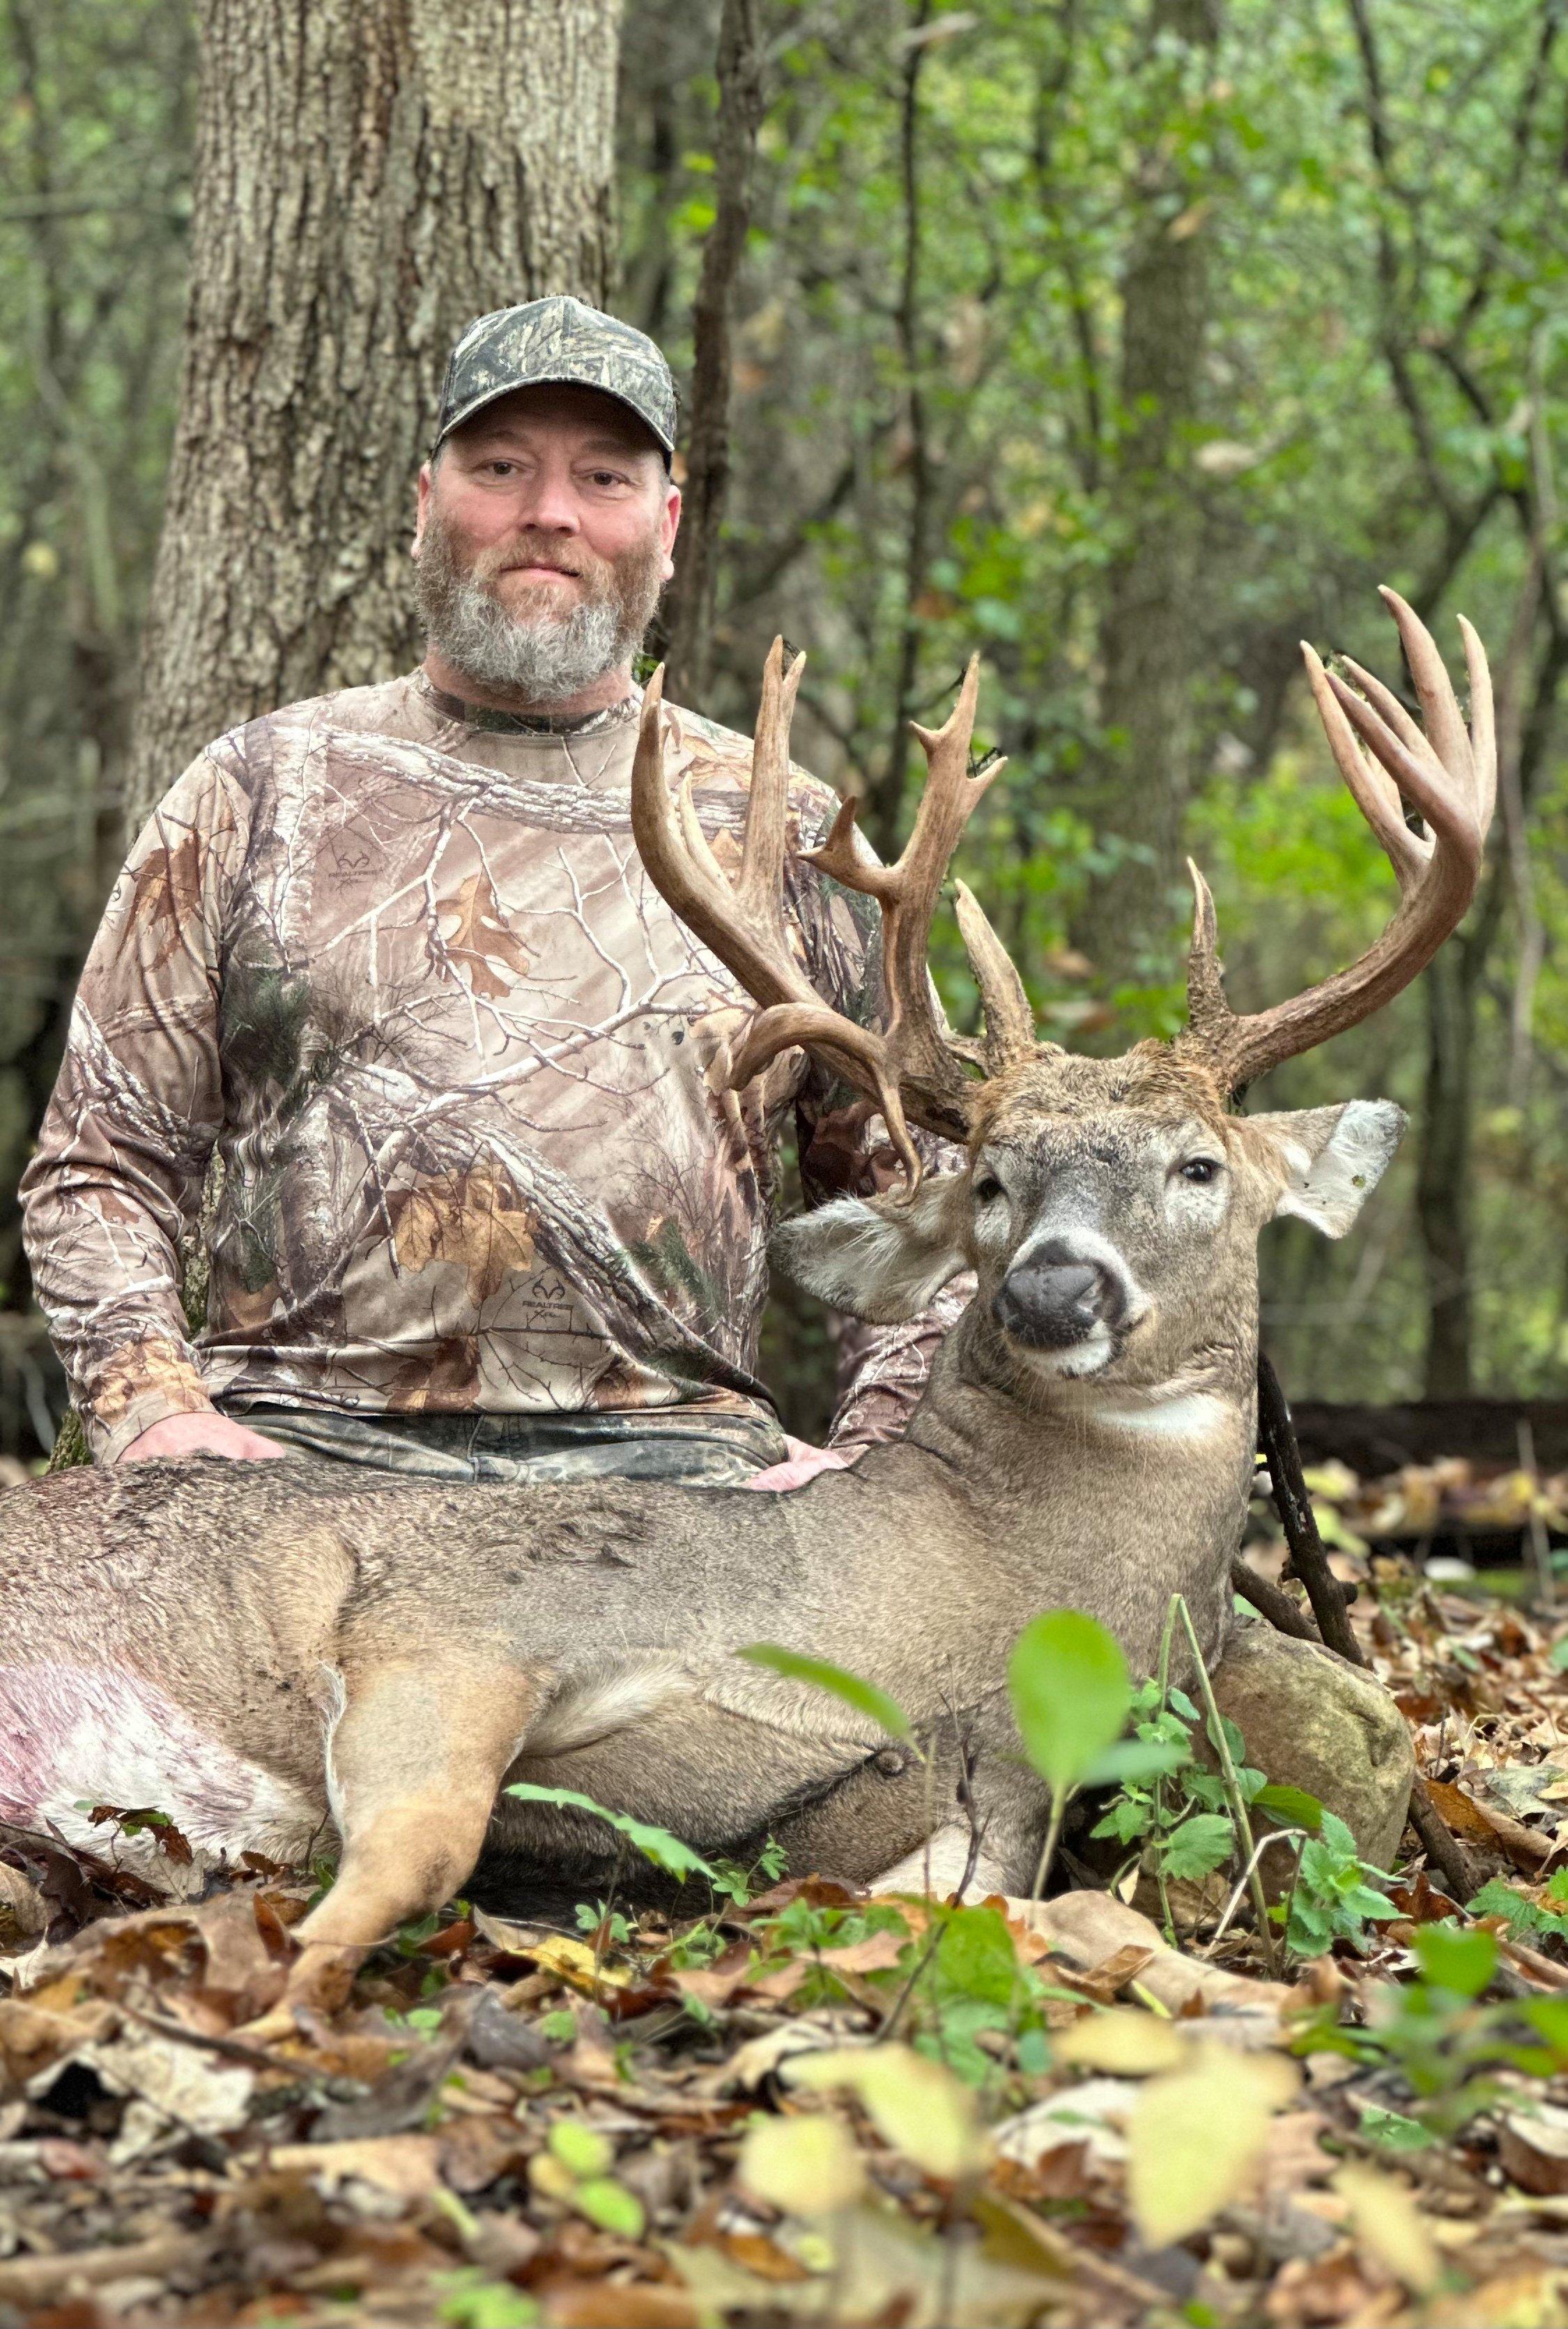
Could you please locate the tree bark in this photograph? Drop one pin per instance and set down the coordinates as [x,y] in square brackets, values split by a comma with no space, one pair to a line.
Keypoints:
[741,102]
[1137,787]
[885,799]
[370,174]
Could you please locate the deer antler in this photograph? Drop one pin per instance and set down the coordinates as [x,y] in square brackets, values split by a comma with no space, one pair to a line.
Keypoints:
[1449,774]
[916,1068]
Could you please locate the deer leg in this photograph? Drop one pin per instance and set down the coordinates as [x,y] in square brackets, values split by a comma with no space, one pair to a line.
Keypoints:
[414,1763]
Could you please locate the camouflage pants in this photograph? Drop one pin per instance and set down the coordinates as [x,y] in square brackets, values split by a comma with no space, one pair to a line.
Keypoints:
[718,1452]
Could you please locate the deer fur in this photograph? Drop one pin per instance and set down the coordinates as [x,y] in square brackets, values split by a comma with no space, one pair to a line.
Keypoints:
[267,1652]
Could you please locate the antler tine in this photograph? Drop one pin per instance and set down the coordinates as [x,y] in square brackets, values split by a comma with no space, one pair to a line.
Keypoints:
[759,889]
[928,1056]
[1010,1020]
[1374,791]
[1483,723]
[749,939]
[1449,775]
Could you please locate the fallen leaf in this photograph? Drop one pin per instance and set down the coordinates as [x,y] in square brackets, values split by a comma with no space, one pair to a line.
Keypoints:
[407,2164]
[1195,2135]
[1533,2148]
[804,2166]
[1126,2042]
[917,2105]
[1389,2223]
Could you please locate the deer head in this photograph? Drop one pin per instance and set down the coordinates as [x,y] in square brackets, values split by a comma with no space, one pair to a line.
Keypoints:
[1109,1208]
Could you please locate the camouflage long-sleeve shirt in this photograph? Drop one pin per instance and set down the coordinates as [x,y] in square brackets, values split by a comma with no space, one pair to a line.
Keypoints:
[400,964]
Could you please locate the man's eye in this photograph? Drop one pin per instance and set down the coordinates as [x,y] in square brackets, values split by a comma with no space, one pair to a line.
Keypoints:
[607,477]
[1201,1168]
[984,1191]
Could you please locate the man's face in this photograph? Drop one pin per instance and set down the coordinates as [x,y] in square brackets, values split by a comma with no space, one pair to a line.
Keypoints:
[543,542]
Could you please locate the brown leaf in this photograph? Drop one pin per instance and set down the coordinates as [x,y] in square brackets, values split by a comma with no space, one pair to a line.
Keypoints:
[473,1219]
[484,942]
[407,2164]
[166,898]
[445,1377]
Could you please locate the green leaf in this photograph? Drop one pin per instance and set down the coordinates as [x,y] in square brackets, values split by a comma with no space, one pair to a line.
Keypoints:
[1549,2015]
[1198,1846]
[1292,1806]
[1393,2131]
[1126,1820]
[975,1958]
[1132,1760]
[655,1843]
[1453,1959]
[852,1688]
[583,2149]
[1557,1656]
[1336,1839]
[611,2206]
[467,2300]
[1071,1694]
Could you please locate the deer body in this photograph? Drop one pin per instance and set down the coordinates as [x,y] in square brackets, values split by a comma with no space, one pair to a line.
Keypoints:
[260,1649]
[185,1636]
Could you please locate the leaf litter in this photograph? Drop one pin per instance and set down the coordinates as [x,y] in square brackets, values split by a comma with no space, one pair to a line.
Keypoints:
[800,2103]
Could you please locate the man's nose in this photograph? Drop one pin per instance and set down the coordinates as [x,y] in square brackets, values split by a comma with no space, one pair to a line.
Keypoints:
[550,504]
[1054,1298]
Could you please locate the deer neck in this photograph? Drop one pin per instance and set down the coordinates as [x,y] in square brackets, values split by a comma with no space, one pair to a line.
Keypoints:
[1007,1438]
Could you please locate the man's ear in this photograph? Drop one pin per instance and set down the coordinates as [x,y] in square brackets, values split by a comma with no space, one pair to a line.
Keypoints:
[1331,1158]
[878,1258]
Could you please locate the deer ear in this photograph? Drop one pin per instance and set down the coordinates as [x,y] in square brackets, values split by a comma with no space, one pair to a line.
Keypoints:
[878,1258]
[1331,1158]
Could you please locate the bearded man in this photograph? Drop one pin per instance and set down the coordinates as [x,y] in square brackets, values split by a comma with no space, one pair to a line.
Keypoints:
[390,957]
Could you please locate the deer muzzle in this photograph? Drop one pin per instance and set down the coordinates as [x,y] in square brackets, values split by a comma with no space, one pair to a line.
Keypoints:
[1052,1298]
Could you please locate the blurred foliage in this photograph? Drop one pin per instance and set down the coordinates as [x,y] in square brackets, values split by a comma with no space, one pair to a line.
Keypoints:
[932,457]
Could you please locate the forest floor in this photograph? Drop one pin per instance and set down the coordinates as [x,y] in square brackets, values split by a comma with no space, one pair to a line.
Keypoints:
[803,2105]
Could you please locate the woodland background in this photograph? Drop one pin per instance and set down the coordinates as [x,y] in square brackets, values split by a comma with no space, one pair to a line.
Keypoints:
[1130,341]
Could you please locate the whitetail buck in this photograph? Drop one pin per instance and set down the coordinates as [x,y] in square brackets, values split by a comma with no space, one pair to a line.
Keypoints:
[257,1648]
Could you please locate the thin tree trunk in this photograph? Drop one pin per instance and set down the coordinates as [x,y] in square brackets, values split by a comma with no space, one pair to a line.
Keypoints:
[1137,787]
[370,174]
[1442,1196]
[885,802]
[741,103]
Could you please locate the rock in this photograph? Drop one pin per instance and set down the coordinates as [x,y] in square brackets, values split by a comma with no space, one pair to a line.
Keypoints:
[24,1913]
[1312,1721]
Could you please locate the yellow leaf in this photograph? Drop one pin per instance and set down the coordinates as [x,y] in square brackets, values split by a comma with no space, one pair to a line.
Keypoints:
[1389,2223]
[1126,2042]
[574,1962]
[916,2106]
[1194,2136]
[806,2166]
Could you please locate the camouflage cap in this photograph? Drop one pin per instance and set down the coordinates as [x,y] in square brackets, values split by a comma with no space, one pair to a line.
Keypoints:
[558,341]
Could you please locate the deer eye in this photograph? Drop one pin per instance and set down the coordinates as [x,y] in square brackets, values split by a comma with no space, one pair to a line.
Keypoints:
[1200,1169]
[986,1189]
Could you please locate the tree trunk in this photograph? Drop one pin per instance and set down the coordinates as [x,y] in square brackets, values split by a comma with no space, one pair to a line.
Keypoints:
[370,174]
[1138,785]
[1443,1195]
[741,101]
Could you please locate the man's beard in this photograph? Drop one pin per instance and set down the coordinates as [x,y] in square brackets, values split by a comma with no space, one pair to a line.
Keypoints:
[527,650]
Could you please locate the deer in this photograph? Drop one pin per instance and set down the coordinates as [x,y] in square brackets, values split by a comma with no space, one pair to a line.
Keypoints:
[263,1651]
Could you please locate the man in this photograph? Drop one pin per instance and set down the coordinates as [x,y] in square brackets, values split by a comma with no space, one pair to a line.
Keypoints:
[391,954]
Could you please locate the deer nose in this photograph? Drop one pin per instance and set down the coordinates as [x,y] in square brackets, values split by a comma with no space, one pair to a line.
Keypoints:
[1054,1298]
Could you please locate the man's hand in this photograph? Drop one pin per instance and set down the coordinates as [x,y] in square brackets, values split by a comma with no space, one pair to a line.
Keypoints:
[205,1433]
[804,1463]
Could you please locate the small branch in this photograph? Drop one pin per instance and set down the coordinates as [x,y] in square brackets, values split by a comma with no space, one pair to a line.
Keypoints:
[1328,1597]
[1277,1435]
[1232,1790]
[1268,1602]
